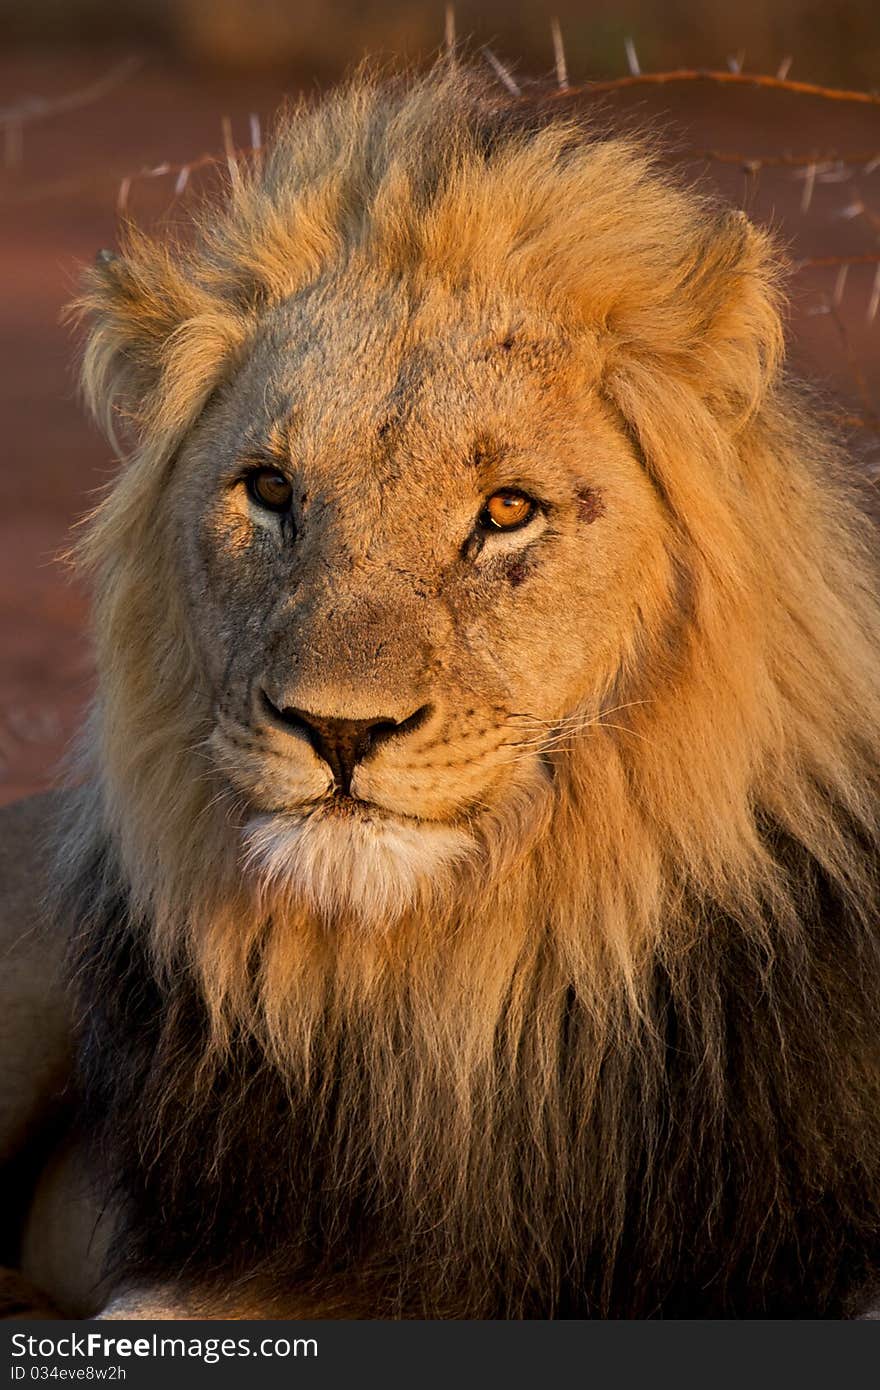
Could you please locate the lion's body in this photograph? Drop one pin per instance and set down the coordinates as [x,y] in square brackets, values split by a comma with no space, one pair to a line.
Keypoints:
[46,1229]
[557,993]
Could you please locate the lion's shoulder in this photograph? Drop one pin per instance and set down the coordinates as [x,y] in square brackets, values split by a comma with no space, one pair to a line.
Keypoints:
[35,1016]
[25,835]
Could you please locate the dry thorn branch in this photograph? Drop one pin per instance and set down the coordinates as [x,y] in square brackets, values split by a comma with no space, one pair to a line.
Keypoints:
[40,108]
[821,262]
[781,84]
[13,119]
[827,162]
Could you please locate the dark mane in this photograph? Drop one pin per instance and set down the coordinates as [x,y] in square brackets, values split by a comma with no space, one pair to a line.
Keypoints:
[744,1180]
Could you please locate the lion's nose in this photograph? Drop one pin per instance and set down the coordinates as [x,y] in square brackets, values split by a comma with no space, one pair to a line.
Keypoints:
[343,743]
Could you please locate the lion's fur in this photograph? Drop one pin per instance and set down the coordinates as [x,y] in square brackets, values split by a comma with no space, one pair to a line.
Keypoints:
[625,1060]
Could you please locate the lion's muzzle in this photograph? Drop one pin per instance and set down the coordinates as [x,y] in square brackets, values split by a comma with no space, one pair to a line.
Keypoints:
[342,743]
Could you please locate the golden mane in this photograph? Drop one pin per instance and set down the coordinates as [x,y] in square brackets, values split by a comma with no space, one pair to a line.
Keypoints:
[748,740]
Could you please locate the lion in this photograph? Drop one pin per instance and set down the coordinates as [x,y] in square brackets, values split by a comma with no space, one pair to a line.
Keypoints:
[466,901]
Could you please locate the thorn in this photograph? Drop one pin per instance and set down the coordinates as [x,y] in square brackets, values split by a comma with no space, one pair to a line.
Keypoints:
[834,173]
[784,68]
[874,301]
[229,149]
[809,184]
[122,195]
[852,210]
[256,134]
[632,57]
[182,180]
[559,56]
[839,286]
[159,170]
[872,164]
[736,60]
[450,31]
[501,73]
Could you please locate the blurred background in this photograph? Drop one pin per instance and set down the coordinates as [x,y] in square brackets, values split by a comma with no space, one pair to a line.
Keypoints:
[835,40]
[110,106]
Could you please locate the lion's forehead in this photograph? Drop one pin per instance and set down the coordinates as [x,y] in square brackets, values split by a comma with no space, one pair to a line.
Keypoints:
[351,378]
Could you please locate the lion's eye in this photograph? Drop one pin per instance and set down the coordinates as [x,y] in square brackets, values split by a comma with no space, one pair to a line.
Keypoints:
[507,509]
[269,489]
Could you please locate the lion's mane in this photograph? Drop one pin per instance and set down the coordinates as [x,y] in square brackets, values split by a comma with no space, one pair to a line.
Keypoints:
[633,1068]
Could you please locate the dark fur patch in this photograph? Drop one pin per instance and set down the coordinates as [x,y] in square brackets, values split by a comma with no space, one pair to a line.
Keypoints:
[591,504]
[744,1124]
[516,568]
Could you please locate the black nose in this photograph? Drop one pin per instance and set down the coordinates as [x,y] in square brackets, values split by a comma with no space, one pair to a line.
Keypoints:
[343,743]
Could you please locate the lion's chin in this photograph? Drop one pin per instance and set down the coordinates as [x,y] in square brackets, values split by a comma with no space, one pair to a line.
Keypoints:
[372,865]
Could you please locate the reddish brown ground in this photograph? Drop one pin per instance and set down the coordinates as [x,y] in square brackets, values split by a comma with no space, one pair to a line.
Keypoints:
[59,207]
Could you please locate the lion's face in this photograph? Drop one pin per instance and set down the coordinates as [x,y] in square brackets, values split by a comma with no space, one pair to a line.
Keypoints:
[416,545]
[385,546]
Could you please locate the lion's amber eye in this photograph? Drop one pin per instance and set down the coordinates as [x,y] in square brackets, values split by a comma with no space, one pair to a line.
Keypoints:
[507,509]
[269,489]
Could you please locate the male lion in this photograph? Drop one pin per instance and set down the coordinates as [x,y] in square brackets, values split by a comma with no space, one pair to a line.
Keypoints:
[470,906]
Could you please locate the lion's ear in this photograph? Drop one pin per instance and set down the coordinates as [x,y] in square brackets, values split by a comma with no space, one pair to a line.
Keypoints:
[736,330]
[155,339]
[714,321]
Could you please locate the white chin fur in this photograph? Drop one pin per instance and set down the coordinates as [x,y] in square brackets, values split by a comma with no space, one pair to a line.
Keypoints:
[376,869]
